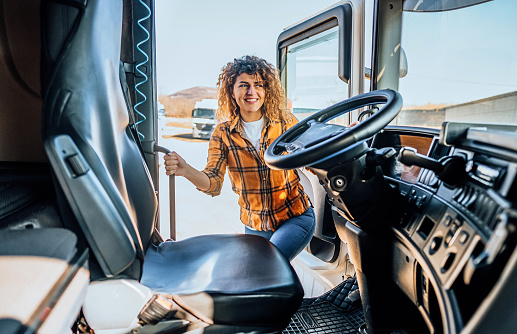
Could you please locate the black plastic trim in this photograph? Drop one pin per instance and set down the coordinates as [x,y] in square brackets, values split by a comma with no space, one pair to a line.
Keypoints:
[413,130]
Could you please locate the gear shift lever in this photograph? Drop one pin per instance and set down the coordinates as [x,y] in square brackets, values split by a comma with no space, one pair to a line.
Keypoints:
[450,170]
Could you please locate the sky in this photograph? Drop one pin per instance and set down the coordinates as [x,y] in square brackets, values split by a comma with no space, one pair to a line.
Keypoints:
[196,38]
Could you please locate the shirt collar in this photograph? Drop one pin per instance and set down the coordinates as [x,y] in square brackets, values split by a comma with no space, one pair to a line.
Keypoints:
[236,125]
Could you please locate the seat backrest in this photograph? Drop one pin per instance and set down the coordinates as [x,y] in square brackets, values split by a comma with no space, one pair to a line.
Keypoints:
[87,135]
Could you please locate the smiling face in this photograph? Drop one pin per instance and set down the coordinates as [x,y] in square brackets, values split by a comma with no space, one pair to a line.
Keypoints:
[249,93]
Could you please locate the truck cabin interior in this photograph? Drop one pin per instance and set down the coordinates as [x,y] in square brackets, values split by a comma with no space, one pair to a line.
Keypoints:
[433,246]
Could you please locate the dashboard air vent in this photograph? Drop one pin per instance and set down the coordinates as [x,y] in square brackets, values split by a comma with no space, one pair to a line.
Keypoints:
[428,177]
[439,151]
[479,203]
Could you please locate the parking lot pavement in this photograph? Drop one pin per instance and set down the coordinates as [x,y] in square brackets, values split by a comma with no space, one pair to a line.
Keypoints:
[196,212]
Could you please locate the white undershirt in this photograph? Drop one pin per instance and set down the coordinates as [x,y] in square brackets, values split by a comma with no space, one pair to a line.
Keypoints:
[253,131]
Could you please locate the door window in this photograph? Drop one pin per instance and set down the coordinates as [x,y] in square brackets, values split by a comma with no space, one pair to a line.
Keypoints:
[312,74]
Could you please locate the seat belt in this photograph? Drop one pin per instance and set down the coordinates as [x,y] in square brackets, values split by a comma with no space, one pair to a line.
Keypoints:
[129,106]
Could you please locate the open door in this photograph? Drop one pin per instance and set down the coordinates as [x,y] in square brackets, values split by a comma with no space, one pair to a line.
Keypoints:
[314,60]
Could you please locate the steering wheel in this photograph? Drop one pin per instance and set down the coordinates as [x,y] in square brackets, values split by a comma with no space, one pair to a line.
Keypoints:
[311,140]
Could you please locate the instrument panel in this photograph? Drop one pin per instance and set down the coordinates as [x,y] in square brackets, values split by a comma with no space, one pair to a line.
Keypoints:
[454,238]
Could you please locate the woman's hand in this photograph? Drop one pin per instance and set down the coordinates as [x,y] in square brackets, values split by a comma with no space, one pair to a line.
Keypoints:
[175,164]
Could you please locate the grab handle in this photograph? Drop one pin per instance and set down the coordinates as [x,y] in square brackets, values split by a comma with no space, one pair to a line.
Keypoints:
[172,195]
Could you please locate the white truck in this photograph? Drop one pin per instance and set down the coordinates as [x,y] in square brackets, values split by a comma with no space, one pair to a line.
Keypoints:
[203,118]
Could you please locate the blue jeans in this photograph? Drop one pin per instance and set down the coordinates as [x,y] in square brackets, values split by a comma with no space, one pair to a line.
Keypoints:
[292,236]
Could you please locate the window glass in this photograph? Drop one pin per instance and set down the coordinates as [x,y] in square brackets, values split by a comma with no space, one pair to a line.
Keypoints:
[462,65]
[312,75]
[204,113]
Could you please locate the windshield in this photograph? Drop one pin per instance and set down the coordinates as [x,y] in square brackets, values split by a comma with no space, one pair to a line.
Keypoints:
[462,65]
[203,113]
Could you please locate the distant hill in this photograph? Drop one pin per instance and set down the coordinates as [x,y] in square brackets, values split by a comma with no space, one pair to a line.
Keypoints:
[180,104]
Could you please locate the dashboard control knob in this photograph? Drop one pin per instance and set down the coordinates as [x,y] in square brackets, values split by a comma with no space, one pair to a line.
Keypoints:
[435,245]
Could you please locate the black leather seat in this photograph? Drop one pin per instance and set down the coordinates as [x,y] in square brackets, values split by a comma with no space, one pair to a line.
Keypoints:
[226,279]
[57,243]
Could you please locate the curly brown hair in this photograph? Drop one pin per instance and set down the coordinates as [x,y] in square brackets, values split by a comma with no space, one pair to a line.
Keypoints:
[275,105]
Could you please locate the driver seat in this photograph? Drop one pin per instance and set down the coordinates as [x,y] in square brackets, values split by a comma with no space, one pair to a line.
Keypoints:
[107,196]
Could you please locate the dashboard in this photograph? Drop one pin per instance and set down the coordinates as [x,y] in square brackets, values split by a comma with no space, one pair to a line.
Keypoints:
[453,239]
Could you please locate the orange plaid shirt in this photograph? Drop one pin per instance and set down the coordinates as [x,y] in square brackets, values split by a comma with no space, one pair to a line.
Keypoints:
[267,197]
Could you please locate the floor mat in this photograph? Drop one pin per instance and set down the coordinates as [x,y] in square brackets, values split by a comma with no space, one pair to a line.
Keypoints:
[337,311]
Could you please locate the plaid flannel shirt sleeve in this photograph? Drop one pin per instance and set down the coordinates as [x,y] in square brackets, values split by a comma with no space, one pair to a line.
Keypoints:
[216,162]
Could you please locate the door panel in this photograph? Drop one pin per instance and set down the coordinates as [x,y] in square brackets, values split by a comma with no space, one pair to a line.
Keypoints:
[314,60]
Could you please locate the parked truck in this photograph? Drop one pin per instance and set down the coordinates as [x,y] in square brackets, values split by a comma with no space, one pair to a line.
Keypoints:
[203,118]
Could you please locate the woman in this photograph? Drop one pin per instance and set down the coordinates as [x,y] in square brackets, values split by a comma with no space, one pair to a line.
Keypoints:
[273,203]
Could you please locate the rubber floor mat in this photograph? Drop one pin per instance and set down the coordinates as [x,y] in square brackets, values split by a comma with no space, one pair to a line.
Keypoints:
[337,311]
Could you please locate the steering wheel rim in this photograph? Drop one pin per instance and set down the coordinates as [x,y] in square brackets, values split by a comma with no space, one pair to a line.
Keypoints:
[306,149]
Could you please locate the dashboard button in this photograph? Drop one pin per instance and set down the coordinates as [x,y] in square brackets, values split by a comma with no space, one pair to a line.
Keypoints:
[455,225]
[435,245]
[448,239]
[447,221]
[464,236]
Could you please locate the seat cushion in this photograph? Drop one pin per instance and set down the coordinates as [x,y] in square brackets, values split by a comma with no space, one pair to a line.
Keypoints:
[228,279]
[55,243]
